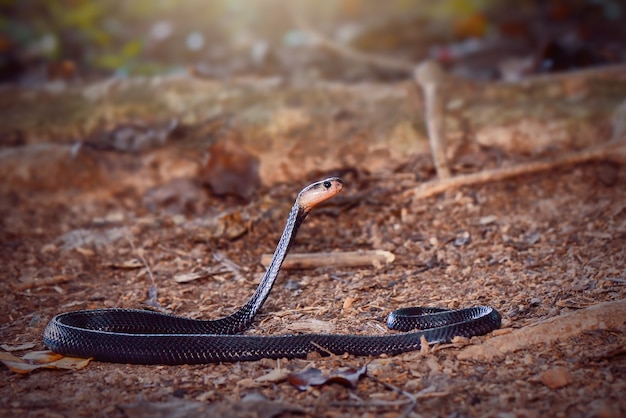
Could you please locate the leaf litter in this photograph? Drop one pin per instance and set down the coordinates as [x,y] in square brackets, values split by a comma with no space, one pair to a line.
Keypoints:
[531,268]
[347,376]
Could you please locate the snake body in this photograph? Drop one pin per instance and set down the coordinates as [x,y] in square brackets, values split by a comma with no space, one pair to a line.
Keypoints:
[145,337]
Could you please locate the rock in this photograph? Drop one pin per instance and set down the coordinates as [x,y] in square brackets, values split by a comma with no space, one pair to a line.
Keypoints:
[556,377]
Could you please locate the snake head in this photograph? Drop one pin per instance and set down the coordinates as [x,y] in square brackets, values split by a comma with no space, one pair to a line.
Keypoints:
[319,192]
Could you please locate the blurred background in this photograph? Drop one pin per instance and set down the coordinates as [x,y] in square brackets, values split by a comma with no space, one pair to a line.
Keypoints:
[43,40]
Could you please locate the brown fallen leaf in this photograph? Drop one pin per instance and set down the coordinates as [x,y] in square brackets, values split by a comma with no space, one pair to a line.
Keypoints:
[348,376]
[20,347]
[41,359]
[276,375]
[189,277]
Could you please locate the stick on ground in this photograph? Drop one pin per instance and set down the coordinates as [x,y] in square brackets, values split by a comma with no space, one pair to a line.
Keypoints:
[604,315]
[336,259]
[430,77]
[431,188]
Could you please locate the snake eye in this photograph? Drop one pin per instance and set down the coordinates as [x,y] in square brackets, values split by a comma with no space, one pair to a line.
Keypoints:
[327,184]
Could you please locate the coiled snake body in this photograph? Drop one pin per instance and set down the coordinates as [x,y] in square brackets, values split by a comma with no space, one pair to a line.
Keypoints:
[145,337]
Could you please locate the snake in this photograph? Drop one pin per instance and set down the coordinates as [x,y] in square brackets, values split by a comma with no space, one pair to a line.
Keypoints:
[137,336]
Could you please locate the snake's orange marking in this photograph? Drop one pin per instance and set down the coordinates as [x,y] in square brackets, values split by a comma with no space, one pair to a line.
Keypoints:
[319,192]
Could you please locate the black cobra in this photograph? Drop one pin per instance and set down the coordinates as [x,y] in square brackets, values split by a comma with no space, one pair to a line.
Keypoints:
[145,337]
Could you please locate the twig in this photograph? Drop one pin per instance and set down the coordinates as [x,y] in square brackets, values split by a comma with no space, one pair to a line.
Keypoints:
[429,76]
[325,350]
[152,293]
[334,259]
[205,272]
[614,351]
[438,186]
[142,258]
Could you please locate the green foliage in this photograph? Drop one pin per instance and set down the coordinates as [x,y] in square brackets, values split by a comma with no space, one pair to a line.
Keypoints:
[98,33]
[123,58]
[115,34]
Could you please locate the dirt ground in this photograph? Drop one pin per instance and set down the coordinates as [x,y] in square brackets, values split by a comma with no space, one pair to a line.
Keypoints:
[534,248]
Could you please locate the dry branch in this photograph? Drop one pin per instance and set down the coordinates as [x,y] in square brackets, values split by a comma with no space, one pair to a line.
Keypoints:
[604,151]
[336,259]
[429,76]
[601,316]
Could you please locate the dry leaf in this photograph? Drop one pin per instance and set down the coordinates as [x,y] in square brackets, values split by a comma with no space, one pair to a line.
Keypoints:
[348,376]
[189,277]
[276,375]
[41,359]
[21,347]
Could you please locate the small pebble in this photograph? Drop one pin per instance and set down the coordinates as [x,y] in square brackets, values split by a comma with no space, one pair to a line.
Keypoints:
[463,238]
[556,378]
[292,285]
